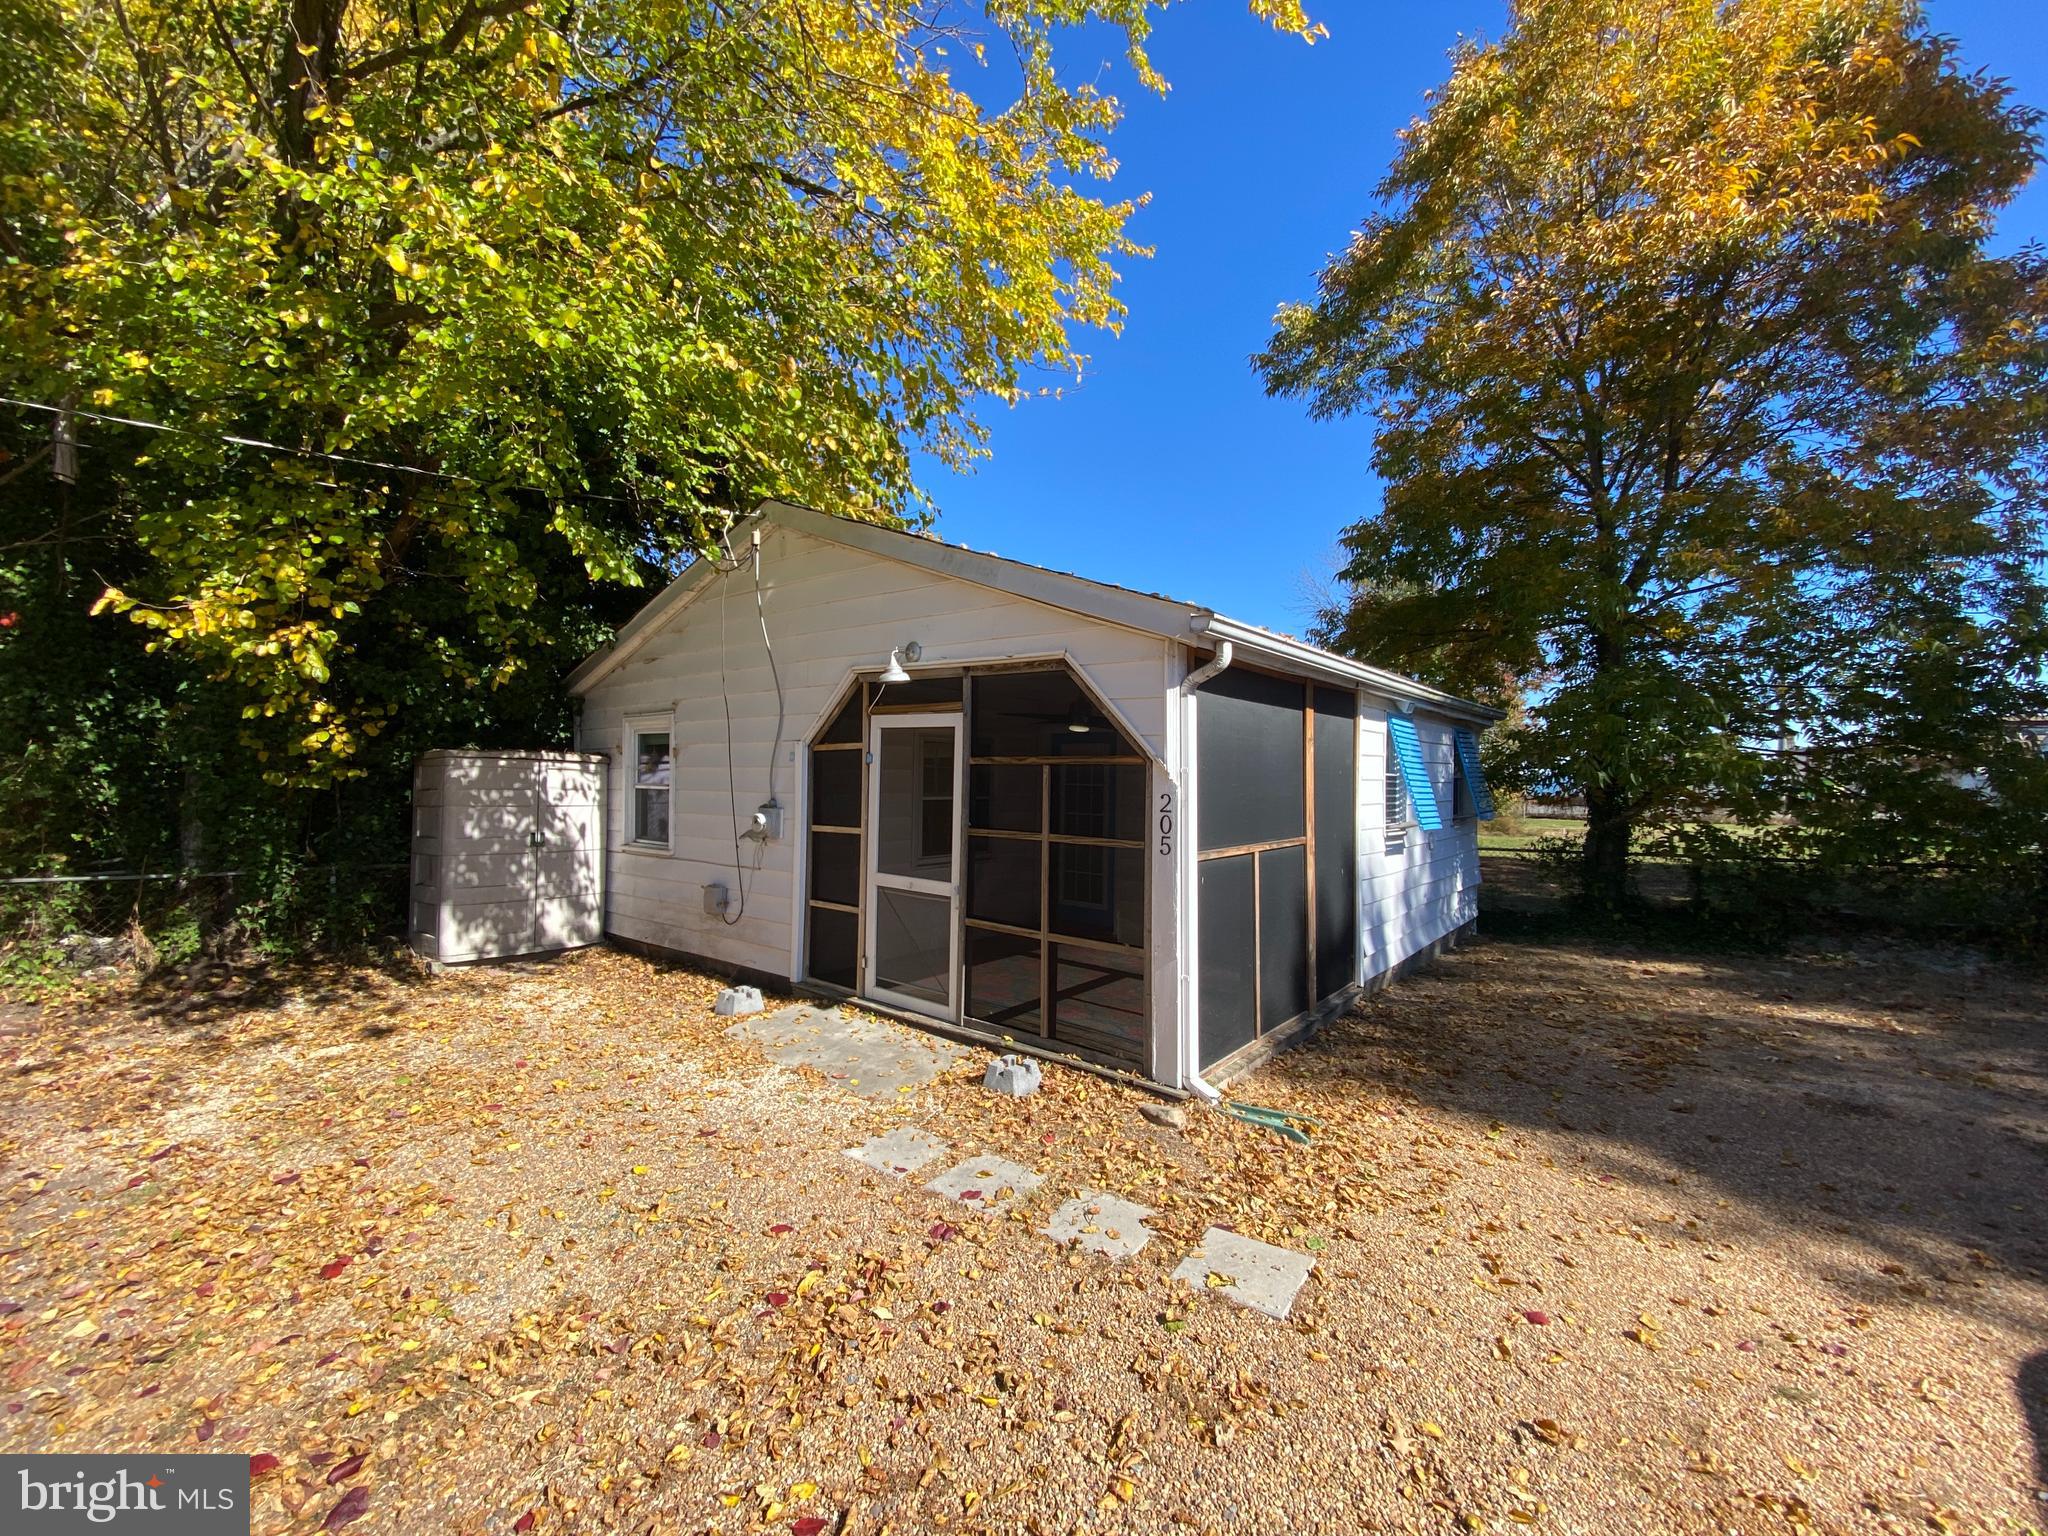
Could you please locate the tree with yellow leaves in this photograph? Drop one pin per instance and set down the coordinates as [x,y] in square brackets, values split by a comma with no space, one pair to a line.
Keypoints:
[1704,408]
[508,282]
[469,318]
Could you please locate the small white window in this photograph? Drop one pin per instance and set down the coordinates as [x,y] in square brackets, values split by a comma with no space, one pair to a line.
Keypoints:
[652,761]
[1459,795]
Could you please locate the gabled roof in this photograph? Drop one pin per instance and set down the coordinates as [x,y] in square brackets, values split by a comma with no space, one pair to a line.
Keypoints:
[1146,612]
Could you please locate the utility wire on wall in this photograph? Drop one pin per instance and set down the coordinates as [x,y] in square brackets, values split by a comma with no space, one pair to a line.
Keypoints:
[731,567]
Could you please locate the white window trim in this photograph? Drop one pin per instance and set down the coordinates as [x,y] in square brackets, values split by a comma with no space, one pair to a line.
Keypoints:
[637,726]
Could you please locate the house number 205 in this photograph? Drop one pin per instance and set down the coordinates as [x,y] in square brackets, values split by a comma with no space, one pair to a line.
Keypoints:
[1166,821]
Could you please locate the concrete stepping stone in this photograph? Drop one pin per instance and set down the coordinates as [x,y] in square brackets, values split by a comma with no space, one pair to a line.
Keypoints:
[1260,1276]
[986,1183]
[1102,1224]
[870,1057]
[901,1151]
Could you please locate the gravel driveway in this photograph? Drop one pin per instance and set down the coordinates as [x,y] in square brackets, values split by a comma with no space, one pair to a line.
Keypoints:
[1605,1242]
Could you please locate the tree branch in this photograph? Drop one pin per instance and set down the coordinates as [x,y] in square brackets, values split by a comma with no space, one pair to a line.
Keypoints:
[467,20]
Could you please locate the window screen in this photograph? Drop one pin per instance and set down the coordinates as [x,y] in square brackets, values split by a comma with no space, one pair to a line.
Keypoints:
[1040,714]
[1283,935]
[835,867]
[1002,881]
[1002,980]
[1005,797]
[834,880]
[924,692]
[1278,902]
[1099,1002]
[1336,839]
[1098,893]
[1248,750]
[1056,815]
[835,947]
[845,726]
[1099,800]
[835,789]
[1229,981]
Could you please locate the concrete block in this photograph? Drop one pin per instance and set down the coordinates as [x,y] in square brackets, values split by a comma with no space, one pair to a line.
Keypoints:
[903,1150]
[738,1000]
[985,1184]
[1101,1224]
[1013,1075]
[1256,1274]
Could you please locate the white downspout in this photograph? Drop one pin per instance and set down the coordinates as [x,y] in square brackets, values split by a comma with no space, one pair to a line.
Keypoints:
[1190,1042]
[1208,669]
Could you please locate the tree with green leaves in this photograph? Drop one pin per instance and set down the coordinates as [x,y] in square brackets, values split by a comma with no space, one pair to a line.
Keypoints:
[469,319]
[506,281]
[1706,412]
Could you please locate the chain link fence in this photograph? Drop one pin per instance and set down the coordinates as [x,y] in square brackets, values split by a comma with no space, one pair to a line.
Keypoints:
[97,925]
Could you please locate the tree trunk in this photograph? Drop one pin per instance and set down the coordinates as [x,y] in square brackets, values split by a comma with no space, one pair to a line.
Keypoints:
[305,73]
[1603,867]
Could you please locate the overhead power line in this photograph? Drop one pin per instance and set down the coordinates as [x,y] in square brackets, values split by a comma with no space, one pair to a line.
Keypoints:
[63,413]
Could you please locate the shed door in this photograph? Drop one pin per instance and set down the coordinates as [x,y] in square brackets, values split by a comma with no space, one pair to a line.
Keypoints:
[487,884]
[568,839]
[522,858]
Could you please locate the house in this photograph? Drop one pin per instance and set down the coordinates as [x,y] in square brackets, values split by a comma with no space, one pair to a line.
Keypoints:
[1018,805]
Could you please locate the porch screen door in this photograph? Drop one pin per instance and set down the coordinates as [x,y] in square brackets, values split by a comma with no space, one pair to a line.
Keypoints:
[913,907]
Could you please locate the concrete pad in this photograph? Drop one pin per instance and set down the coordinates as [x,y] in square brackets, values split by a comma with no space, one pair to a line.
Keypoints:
[903,1150]
[1261,1276]
[985,1183]
[1102,1224]
[874,1059]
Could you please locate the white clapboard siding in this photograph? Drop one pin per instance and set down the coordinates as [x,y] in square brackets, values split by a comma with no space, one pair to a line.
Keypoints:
[830,609]
[1425,884]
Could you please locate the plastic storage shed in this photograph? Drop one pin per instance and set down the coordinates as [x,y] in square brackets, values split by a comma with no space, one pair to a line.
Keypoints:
[507,853]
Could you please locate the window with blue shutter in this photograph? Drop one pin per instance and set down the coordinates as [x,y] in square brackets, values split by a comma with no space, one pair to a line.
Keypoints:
[1475,776]
[1407,750]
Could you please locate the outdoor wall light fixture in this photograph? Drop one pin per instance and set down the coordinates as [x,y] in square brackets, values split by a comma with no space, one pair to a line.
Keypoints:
[894,673]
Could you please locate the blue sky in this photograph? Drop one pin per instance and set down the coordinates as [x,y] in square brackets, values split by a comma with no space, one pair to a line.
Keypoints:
[1167,468]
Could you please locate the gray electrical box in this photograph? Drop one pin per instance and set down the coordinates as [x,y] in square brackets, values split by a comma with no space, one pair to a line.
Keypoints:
[714,899]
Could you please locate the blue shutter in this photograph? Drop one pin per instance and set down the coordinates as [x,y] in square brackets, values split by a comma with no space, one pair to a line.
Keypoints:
[1407,749]
[1475,777]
